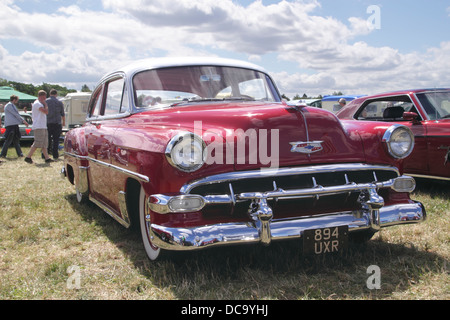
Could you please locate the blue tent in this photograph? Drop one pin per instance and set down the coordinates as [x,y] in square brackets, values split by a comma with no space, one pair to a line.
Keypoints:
[331,102]
[347,98]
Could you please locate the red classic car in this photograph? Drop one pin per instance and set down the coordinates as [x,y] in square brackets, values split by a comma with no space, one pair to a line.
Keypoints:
[426,112]
[201,152]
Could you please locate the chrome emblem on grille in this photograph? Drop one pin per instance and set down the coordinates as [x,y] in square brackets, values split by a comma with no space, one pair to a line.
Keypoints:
[306,147]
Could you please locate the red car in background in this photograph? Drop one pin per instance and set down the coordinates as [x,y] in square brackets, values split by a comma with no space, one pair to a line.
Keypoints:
[203,152]
[426,112]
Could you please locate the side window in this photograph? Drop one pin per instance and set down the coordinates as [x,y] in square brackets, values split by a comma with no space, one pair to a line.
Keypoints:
[388,109]
[373,110]
[28,119]
[96,103]
[125,100]
[114,97]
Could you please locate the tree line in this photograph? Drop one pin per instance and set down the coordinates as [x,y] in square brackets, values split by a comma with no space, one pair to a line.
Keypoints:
[33,90]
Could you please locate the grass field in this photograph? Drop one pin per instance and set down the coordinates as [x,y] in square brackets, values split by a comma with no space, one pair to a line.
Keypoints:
[51,247]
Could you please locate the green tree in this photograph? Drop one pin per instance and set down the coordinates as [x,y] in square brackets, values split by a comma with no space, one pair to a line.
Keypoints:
[85,88]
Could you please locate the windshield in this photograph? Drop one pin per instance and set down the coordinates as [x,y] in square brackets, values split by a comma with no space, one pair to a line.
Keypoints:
[174,86]
[436,104]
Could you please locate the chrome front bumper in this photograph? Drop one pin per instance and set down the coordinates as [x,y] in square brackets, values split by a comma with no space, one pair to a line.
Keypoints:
[241,233]
[263,225]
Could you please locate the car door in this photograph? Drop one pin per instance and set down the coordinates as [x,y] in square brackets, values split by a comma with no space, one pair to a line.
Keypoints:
[435,106]
[438,136]
[378,110]
[99,133]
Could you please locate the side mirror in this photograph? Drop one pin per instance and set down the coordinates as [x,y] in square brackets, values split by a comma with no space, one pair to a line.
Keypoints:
[411,116]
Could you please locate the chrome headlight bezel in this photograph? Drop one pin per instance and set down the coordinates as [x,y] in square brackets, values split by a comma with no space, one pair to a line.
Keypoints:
[189,143]
[399,141]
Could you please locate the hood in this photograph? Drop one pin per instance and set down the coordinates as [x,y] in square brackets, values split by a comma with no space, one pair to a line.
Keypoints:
[253,135]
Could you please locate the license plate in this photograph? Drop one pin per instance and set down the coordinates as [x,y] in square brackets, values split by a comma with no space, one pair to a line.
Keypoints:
[325,240]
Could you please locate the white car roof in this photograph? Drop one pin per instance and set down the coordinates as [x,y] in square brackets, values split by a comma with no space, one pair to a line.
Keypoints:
[155,63]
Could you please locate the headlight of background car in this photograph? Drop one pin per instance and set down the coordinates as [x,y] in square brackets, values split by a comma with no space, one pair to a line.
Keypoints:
[185,151]
[399,140]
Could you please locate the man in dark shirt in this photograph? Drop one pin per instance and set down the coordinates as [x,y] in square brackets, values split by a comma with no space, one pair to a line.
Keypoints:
[55,121]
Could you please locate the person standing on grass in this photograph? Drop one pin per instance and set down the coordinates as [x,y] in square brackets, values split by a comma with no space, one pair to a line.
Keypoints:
[12,121]
[39,112]
[55,122]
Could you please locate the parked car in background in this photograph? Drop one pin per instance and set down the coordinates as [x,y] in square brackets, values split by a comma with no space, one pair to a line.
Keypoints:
[26,133]
[200,153]
[308,102]
[331,103]
[426,112]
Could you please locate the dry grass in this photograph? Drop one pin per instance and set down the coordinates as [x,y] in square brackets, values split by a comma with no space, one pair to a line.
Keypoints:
[44,231]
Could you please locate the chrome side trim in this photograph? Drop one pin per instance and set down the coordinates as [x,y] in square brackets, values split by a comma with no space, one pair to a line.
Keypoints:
[140,177]
[110,212]
[248,232]
[83,185]
[132,174]
[429,177]
[76,156]
[122,196]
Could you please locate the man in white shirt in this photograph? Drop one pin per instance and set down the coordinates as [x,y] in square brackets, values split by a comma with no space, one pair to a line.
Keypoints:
[39,114]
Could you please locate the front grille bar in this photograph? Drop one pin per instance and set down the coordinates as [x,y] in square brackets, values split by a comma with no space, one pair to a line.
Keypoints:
[231,177]
[314,192]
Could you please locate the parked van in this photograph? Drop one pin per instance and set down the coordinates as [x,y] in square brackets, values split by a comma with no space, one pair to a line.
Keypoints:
[75,107]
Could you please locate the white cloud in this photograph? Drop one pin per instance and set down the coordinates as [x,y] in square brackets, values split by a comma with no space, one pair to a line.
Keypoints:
[75,45]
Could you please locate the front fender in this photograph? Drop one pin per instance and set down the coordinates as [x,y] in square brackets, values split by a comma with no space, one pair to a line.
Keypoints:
[371,134]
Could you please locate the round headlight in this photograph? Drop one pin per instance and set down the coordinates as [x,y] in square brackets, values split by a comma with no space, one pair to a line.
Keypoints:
[185,151]
[399,140]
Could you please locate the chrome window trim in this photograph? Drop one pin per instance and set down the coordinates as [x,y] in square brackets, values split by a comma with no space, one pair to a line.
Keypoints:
[109,78]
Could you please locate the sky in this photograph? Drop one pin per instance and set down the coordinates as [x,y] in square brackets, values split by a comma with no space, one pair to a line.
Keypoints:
[309,47]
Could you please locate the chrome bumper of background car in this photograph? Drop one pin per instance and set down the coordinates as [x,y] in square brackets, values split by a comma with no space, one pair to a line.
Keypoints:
[251,232]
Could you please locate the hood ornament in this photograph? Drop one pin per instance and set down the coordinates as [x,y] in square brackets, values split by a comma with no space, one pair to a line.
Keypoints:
[307,147]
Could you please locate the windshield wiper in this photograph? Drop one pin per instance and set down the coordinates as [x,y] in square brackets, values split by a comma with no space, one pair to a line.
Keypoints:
[245,98]
[446,116]
[241,98]
[205,99]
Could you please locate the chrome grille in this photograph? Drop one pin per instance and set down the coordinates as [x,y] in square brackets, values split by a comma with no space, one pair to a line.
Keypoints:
[290,178]
[293,191]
